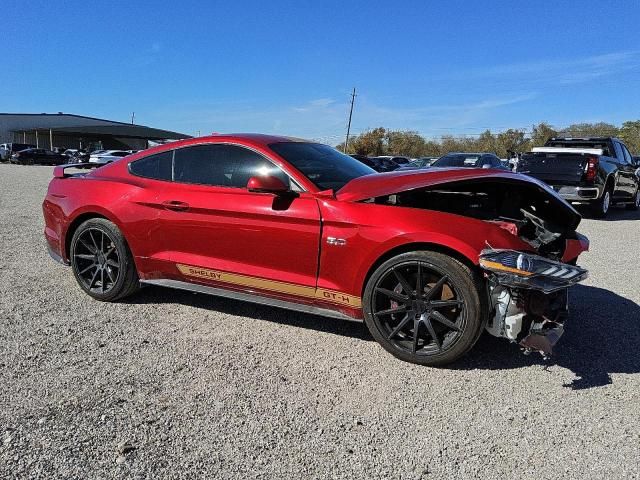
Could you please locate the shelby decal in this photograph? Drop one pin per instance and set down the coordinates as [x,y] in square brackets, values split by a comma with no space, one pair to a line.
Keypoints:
[199,272]
[271,285]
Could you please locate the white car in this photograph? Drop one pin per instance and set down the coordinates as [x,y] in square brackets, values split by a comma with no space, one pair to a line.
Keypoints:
[107,156]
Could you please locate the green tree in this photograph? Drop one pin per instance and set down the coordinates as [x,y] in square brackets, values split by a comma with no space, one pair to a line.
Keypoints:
[486,142]
[409,143]
[600,129]
[541,133]
[630,135]
[371,142]
[511,141]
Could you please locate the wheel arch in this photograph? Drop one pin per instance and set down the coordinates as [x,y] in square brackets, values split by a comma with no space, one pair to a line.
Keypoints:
[75,223]
[610,182]
[416,246]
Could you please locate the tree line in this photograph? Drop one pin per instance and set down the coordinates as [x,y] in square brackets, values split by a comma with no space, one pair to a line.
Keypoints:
[381,141]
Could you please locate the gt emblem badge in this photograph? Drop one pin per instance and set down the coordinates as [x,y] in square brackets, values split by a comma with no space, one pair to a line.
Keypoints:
[336,241]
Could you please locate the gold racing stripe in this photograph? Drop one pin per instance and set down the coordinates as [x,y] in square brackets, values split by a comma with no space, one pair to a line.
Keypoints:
[330,296]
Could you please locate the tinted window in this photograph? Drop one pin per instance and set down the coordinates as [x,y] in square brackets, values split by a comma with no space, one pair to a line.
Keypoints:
[154,166]
[458,160]
[619,154]
[222,165]
[494,161]
[400,160]
[627,155]
[17,147]
[321,164]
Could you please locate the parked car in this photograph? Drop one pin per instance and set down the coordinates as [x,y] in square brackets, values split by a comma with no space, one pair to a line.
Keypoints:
[419,163]
[379,164]
[299,225]
[71,152]
[384,164]
[597,171]
[400,160]
[32,156]
[469,160]
[364,159]
[107,156]
[8,149]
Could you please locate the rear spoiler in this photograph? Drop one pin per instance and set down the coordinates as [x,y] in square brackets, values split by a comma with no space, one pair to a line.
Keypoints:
[59,171]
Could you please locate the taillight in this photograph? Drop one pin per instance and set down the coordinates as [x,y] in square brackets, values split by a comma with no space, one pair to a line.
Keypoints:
[591,170]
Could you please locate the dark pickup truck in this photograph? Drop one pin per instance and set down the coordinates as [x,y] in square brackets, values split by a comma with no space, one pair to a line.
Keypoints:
[598,171]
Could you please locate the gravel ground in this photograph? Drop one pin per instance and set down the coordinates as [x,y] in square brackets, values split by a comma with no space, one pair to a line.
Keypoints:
[179,385]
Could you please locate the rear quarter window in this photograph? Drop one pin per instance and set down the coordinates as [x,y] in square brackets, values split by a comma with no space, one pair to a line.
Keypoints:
[156,167]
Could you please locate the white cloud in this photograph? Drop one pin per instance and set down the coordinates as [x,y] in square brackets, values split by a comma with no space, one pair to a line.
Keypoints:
[565,71]
[326,119]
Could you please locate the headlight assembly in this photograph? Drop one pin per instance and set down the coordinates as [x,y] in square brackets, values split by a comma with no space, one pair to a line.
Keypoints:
[526,270]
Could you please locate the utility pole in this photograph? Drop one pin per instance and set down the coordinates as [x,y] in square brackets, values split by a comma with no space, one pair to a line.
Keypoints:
[353,99]
[133,116]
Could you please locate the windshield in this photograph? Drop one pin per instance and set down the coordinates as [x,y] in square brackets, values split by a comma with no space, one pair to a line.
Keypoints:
[326,167]
[458,160]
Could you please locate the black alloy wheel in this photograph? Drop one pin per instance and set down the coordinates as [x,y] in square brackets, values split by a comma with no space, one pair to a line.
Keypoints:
[101,261]
[424,307]
[98,260]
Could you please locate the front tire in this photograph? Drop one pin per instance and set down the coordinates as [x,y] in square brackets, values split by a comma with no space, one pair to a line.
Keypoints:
[424,307]
[102,262]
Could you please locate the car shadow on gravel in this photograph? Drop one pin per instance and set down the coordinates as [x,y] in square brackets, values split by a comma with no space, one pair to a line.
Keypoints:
[602,336]
[346,328]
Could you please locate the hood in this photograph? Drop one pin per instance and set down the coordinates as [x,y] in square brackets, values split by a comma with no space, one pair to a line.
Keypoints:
[382,184]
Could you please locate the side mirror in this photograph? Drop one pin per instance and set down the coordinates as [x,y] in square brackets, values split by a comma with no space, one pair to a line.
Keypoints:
[486,165]
[638,172]
[267,184]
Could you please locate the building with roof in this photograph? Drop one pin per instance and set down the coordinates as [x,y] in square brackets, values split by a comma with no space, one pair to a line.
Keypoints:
[48,130]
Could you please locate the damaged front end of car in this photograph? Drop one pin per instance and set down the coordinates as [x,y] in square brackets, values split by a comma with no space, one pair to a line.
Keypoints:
[528,272]
[529,296]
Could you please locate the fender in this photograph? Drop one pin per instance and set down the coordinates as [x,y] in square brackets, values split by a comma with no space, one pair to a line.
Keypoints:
[80,215]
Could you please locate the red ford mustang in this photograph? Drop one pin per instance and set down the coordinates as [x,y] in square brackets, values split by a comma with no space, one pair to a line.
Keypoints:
[428,258]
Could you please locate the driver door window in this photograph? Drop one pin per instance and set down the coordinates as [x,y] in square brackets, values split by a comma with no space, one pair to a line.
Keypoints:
[222,166]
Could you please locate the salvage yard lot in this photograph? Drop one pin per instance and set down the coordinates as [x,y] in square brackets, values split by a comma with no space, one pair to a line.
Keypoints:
[203,386]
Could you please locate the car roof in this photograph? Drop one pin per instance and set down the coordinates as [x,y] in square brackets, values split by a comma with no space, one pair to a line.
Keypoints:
[247,139]
[469,153]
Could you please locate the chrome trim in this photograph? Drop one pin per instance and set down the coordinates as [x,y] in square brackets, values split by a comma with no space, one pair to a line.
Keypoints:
[57,257]
[247,297]
[336,241]
[572,193]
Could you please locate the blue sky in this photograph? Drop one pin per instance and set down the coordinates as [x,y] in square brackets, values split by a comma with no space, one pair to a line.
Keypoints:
[437,67]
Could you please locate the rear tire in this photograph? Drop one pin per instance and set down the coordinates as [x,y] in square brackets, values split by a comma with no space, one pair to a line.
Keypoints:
[424,307]
[600,207]
[102,262]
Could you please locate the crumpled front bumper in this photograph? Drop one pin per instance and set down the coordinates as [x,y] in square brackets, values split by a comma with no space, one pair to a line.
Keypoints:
[529,295]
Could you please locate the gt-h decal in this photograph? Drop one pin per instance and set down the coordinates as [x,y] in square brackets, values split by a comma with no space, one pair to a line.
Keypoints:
[271,285]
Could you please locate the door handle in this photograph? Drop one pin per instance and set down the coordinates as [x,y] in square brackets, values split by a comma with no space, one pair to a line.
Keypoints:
[175,205]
